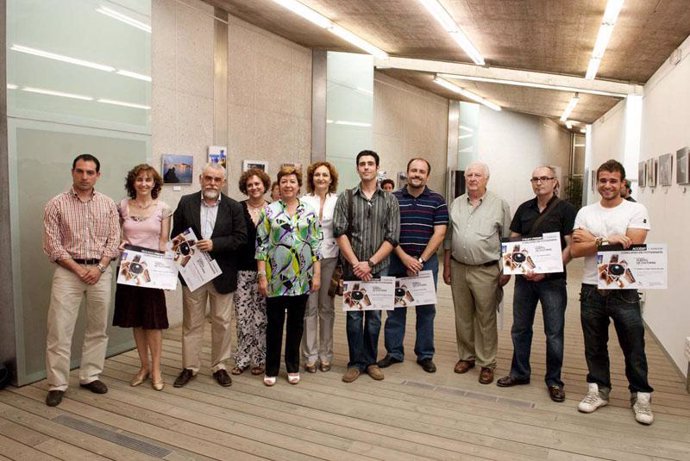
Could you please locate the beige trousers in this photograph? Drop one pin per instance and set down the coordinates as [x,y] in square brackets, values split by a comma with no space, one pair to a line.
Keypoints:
[476,295]
[66,295]
[317,339]
[193,319]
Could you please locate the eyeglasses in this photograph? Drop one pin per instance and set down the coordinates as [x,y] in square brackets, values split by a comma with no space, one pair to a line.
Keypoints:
[540,179]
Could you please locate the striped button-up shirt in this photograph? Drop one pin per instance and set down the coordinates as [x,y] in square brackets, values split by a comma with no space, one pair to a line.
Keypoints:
[81,230]
[209,214]
[374,221]
[474,232]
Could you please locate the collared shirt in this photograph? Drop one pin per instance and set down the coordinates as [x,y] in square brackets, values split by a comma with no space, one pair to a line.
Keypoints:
[474,233]
[329,248]
[560,219]
[374,221]
[418,216]
[81,230]
[289,245]
[209,214]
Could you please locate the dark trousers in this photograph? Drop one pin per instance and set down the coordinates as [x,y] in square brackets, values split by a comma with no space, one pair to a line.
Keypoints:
[275,313]
[553,297]
[597,309]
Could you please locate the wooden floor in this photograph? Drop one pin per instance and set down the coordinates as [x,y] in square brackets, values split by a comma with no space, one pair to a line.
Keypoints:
[409,415]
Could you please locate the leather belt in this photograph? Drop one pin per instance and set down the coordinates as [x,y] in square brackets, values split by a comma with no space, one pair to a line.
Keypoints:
[488,264]
[87,262]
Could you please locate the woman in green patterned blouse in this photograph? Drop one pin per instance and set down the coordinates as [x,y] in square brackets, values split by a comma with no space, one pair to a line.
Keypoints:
[288,238]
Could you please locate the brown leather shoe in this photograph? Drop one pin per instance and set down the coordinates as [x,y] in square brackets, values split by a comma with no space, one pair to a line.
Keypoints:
[557,393]
[375,372]
[509,381]
[463,366]
[486,376]
[351,375]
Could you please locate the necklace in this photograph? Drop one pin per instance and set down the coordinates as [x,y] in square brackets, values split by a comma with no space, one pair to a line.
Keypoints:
[143,207]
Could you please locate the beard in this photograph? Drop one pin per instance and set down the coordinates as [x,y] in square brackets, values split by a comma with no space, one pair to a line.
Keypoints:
[211,194]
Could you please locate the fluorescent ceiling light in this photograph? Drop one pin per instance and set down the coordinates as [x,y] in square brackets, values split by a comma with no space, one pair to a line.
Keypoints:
[613,8]
[532,85]
[59,57]
[449,25]
[345,122]
[569,108]
[325,23]
[128,73]
[582,130]
[125,104]
[12,86]
[466,128]
[57,93]
[468,94]
[569,124]
[465,136]
[124,18]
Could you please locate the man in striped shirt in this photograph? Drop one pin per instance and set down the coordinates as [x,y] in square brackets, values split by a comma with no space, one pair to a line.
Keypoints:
[423,222]
[81,235]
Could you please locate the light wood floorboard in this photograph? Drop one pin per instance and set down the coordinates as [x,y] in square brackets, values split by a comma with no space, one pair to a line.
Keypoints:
[410,415]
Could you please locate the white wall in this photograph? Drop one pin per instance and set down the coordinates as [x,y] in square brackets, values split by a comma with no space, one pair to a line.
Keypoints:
[608,142]
[410,122]
[665,128]
[513,145]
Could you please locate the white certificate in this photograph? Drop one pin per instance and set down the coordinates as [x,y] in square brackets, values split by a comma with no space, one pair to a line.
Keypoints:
[540,255]
[640,267]
[376,295]
[196,267]
[415,291]
[143,267]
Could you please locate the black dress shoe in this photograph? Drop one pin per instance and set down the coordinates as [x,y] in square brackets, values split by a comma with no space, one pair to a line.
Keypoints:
[54,398]
[387,361]
[557,393]
[185,376]
[223,378]
[427,365]
[509,381]
[97,387]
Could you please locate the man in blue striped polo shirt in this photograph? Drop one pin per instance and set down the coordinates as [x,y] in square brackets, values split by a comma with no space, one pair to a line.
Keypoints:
[423,222]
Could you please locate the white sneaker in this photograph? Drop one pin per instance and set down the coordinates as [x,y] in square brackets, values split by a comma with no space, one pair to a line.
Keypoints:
[642,407]
[592,400]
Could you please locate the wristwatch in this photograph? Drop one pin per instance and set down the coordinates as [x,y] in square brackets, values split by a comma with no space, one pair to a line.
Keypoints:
[101,268]
[371,263]
[420,259]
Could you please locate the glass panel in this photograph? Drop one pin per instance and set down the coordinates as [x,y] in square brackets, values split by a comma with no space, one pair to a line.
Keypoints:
[350,112]
[41,157]
[468,140]
[86,62]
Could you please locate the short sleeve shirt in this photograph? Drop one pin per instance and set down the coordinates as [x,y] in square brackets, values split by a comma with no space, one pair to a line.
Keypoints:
[418,216]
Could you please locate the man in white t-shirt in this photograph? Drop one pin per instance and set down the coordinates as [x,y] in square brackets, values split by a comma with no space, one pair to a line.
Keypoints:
[611,221]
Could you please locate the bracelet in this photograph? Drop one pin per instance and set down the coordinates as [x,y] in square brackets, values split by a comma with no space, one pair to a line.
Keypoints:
[101,268]
[261,273]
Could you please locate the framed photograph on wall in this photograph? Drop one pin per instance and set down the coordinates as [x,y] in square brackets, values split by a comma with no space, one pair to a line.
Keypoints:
[666,170]
[642,174]
[651,172]
[402,179]
[683,166]
[218,154]
[177,169]
[259,164]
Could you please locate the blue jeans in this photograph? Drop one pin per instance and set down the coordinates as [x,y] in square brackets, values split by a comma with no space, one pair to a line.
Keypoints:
[596,310]
[363,328]
[394,331]
[553,297]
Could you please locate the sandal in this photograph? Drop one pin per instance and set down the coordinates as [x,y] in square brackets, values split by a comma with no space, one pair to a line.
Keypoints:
[293,378]
[257,370]
[325,366]
[238,370]
[310,367]
[269,380]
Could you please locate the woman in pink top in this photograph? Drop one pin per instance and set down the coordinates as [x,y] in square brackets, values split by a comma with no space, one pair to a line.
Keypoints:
[145,223]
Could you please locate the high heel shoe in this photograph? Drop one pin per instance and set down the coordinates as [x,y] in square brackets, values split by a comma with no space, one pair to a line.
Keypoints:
[139,378]
[158,386]
[293,378]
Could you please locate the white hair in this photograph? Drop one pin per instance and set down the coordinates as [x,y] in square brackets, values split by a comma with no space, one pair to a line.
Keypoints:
[480,165]
[214,166]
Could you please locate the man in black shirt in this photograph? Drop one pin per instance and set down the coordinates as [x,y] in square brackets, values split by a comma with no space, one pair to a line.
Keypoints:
[544,213]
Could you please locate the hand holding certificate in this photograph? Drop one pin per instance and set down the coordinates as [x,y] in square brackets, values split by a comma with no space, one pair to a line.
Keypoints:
[539,255]
[143,267]
[415,291]
[641,266]
[195,266]
[375,295]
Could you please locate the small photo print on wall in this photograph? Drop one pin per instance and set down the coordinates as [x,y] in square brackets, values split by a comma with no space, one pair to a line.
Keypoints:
[402,179]
[683,166]
[258,164]
[642,174]
[218,154]
[177,169]
[666,170]
[651,172]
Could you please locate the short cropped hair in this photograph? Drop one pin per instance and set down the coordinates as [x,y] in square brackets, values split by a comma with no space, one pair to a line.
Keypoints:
[287,171]
[611,166]
[331,170]
[87,158]
[428,165]
[365,153]
[261,174]
[136,171]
